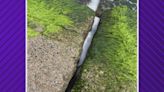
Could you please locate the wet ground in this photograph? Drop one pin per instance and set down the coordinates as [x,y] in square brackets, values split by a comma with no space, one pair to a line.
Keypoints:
[109,4]
[111,62]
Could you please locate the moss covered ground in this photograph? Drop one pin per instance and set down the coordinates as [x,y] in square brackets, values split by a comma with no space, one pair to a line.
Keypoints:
[111,64]
[51,16]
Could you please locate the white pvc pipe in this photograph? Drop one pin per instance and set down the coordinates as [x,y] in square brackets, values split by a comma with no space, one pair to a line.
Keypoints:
[93,4]
[88,40]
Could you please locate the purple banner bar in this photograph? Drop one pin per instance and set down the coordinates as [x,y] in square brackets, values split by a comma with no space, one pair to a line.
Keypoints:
[151,49]
[12,45]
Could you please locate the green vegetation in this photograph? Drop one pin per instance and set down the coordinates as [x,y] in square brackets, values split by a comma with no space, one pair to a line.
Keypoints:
[51,16]
[111,62]
[31,32]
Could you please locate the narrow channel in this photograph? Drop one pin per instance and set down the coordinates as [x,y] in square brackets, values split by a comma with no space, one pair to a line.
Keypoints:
[93,4]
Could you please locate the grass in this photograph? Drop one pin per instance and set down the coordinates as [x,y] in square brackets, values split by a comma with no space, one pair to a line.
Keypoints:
[53,15]
[112,59]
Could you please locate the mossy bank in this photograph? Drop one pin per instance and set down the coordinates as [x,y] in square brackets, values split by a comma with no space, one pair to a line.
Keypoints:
[49,17]
[111,64]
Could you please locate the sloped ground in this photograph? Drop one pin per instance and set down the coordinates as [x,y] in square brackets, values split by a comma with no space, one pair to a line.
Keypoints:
[111,64]
[56,30]
[50,64]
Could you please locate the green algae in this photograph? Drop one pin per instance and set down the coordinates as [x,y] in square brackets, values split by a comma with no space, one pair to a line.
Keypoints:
[111,64]
[32,33]
[54,15]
